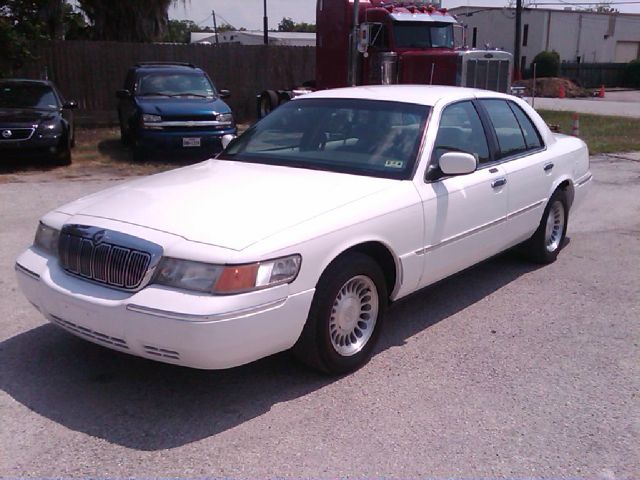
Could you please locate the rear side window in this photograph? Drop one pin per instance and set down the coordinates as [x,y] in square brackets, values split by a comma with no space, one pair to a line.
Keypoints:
[461,131]
[531,135]
[510,137]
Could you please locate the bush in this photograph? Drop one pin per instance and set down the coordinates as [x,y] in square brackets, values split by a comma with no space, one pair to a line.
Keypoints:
[547,64]
[632,74]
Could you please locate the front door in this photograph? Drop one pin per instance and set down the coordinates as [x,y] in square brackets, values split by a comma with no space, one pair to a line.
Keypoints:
[465,215]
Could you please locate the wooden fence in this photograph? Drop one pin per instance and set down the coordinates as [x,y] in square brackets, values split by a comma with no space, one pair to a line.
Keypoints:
[592,75]
[91,72]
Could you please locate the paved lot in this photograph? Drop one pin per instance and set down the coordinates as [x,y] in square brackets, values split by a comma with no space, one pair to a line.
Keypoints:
[625,104]
[504,370]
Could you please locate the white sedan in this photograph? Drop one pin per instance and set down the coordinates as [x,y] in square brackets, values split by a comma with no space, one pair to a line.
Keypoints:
[306,227]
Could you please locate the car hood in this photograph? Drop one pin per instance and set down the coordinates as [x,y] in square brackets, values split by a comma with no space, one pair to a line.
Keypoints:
[227,204]
[26,116]
[176,106]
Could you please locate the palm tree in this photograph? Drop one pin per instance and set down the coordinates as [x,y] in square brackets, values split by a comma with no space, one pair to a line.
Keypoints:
[126,20]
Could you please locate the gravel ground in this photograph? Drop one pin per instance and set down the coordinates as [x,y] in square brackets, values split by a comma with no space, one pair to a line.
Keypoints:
[507,369]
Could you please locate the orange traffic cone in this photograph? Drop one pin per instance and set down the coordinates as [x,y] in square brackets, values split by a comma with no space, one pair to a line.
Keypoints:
[561,92]
[575,128]
[601,92]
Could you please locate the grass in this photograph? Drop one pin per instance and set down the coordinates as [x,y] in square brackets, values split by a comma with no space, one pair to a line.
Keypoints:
[603,134]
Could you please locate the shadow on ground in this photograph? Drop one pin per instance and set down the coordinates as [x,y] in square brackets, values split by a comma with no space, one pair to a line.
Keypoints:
[150,406]
[112,149]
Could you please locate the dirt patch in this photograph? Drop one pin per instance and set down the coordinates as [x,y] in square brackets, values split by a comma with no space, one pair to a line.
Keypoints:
[98,153]
[551,87]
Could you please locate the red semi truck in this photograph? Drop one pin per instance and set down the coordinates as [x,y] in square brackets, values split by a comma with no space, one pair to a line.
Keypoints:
[408,42]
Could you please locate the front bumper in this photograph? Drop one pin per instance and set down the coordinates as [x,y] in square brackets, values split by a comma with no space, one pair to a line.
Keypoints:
[199,331]
[32,149]
[170,139]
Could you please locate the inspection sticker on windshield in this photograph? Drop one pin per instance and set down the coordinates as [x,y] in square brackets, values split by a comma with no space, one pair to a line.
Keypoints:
[394,164]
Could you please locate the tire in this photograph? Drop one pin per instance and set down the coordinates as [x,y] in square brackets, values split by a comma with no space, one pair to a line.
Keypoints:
[547,241]
[340,333]
[64,159]
[139,154]
[269,101]
[125,137]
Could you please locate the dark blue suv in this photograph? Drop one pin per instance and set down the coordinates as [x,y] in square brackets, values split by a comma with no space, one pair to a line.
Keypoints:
[172,106]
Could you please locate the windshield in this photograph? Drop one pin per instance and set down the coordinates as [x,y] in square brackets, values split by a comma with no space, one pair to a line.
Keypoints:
[175,85]
[423,35]
[364,137]
[27,95]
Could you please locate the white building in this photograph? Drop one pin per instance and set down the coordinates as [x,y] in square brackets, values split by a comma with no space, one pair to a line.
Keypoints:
[577,36]
[246,37]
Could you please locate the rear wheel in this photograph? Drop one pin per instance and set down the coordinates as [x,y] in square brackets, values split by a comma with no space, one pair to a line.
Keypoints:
[346,316]
[547,241]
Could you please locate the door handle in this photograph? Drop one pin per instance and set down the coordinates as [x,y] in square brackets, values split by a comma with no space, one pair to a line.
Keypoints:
[499,182]
[548,167]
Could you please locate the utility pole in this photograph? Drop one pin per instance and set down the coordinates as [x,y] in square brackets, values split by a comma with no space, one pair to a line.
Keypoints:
[353,73]
[516,49]
[266,24]
[215,26]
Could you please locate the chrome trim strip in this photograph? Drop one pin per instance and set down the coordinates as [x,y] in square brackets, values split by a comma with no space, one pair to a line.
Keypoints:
[525,209]
[188,123]
[2,139]
[582,182]
[461,236]
[26,271]
[216,317]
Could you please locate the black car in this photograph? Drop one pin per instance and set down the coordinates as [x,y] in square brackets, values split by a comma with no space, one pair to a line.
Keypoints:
[35,122]
[172,106]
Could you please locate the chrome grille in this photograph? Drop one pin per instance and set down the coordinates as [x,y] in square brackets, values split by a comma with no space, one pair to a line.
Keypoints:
[15,134]
[486,69]
[106,257]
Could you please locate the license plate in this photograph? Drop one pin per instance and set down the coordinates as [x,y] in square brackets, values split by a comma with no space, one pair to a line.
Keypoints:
[191,142]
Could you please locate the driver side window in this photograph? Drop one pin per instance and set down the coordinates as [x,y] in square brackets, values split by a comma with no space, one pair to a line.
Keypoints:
[461,131]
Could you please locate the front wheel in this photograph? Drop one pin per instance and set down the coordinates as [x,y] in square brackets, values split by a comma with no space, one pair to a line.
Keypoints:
[346,316]
[547,241]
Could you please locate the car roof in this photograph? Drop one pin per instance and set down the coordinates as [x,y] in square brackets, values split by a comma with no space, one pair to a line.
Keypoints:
[166,67]
[26,80]
[417,94]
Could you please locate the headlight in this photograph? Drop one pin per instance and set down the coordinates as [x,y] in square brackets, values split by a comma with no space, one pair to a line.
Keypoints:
[50,129]
[225,279]
[47,239]
[225,118]
[149,118]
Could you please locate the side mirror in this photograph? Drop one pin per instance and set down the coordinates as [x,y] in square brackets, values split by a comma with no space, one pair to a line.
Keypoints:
[227,139]
[458,163]
[224,93]
[70,105]
[122,94]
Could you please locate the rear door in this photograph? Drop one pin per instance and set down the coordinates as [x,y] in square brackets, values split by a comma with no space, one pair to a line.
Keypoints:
[527,164]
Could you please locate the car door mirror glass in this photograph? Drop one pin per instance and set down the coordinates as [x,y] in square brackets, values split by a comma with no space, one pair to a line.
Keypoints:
[224,93]
[227,139]
[458,163]
[70,105]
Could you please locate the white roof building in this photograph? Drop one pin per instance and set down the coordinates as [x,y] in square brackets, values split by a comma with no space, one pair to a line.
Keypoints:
[577,35]
[247,37]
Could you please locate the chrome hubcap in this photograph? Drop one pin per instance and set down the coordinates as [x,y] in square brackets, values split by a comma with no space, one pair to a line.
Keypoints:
[555,226]
[353,315]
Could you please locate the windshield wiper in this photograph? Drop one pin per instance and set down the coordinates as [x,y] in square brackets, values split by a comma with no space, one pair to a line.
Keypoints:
[155,94]
[190,94]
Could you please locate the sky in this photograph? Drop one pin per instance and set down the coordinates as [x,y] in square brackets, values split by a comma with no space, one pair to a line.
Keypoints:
[248,13]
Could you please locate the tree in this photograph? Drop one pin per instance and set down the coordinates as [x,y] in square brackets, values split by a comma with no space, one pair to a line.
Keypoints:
[288,25]
[179,31]
[547,64]
[126,20]
[22,28]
